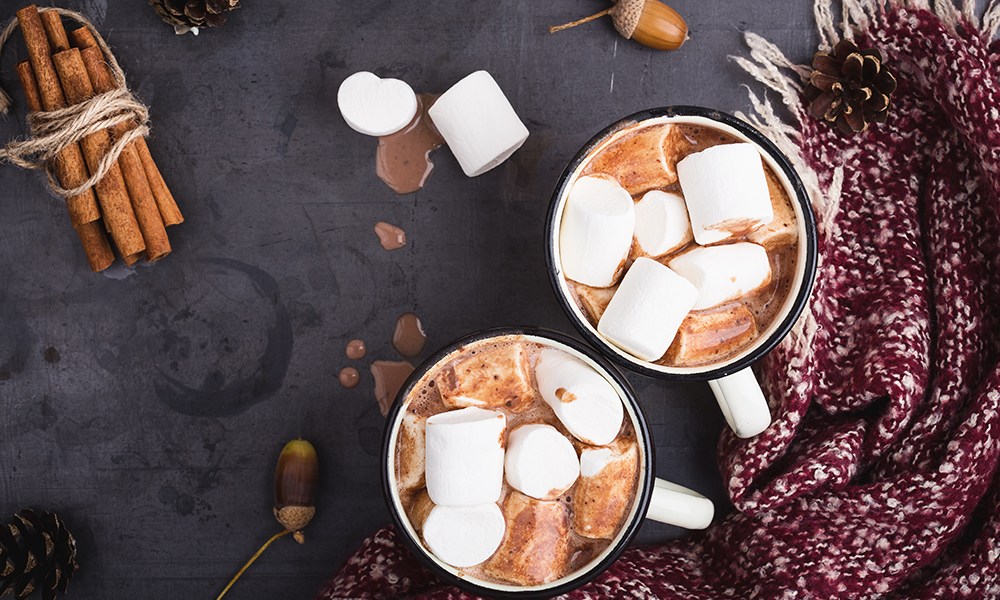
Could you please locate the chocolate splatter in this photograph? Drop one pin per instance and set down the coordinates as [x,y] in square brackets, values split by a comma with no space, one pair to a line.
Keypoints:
[390,236]
[409,338]
[349,377]
[403,159]
[389,377]
[356,349]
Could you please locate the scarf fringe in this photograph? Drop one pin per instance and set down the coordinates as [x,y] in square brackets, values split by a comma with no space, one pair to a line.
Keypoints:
[769,65]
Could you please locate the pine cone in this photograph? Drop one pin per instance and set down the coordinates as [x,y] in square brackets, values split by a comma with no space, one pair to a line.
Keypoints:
[850,87]
[36,552]
[190,15]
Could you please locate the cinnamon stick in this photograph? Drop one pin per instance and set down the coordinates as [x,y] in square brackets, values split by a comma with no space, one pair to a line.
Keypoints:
[143,202]
[91,234]
[111,190]
[147,213]
[170,213]
[54,31]
[69,165]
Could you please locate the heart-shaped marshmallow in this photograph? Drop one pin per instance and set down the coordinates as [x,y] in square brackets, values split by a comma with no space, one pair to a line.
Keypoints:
[375,106]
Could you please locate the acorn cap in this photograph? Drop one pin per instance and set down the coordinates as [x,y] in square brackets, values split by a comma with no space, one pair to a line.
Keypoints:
[626,15]
[294,518]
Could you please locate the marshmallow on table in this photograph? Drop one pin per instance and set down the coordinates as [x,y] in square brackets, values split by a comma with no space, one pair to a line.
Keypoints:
[478,123]
[584,401]
[596,231]
[661,223]
[375,106]
[465,456]
[705,337]
[647,309]
[490,378]
[540,462]
[639,159]
[604,495]
[593,300]
[723,273]
[463,536]
[410,458]
[535,554]
[726,191]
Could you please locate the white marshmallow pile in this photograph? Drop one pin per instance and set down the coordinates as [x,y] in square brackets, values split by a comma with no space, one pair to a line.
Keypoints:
[467,453]
[474,116]
[596,231]
[723,273]
[726,191]
[463,536]
[725,194]
[375,106]
[646,311]
[478,122]
[540,461]
[584,401]
[464,456]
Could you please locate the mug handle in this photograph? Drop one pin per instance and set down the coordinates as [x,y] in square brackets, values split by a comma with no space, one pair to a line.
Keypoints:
[742,403]
[677,505]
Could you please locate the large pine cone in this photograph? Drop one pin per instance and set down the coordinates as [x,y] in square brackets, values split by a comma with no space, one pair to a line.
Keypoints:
[190,15]
[850,87]
[37,552]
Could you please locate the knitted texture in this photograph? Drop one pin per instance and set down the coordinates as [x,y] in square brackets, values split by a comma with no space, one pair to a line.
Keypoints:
[878,476]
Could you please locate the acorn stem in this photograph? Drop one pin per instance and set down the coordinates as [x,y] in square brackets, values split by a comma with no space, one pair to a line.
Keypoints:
[572,24]
[252,560]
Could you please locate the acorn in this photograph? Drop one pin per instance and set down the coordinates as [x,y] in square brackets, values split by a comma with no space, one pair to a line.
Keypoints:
[295,480]
[295,486]
[649,22]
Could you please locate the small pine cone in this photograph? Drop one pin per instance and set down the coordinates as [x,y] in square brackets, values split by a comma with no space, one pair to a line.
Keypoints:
[190,15]
[850,87]
[37,552]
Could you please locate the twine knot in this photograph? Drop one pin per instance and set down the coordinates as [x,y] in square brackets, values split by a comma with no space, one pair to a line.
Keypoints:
[53,131]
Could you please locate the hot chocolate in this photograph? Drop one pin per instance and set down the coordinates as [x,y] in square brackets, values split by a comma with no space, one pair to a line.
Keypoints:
[516,462]
[686,222]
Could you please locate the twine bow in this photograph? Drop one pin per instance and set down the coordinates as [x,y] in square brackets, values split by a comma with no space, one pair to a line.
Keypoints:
[53,131]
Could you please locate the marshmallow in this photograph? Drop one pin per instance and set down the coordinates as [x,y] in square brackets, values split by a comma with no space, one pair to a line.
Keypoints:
[535,548]
[583,400]
[707,337]
[661,223]
[478,123]
[540,462]
[639,160]
[604,495]
[410,458]
[465,456]
[375,106]
[490,378]
[419,509]
[647,309]
[593,300]
[596,232]
[726,191]
[723,273]
[463,536]
[783,229]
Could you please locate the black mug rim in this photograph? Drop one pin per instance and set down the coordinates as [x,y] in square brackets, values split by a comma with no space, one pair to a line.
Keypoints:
[644,492]
[801,196]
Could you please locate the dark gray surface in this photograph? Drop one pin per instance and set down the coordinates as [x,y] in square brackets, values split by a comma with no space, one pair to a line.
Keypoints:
[156,430]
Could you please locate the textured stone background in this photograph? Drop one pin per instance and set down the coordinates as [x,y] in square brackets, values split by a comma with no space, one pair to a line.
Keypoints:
[148,407]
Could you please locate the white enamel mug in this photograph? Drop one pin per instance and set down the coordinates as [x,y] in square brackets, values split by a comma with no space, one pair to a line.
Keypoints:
[732,382]
[654,498]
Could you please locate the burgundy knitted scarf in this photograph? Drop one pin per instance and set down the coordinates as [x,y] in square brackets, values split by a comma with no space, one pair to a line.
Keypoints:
[878,476]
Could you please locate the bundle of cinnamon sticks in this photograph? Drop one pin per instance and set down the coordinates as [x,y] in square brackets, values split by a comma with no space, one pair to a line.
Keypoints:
[132,204]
